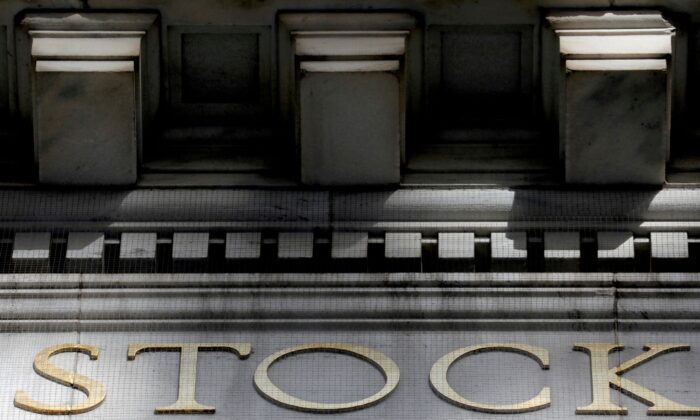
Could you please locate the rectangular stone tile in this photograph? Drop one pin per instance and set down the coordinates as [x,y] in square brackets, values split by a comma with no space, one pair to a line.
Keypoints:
[137,252]
[669,245]
[243,245]
[349,244]
[31,246]
[615,245]
[190,246]
[615,252]
[456,245]
[508,245]
[295,245]
[84,252]
[562,251]
[402,245]
[562,245]
[85,245]
[138,246]
[30,252]
[508,251]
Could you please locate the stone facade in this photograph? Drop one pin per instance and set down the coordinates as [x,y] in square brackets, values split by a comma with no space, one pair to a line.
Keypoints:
[395,209]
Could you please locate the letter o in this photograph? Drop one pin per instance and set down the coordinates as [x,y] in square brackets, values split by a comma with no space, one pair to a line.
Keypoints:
[270,391]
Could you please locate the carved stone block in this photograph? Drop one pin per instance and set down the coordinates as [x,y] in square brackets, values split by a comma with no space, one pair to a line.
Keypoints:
[348,81]
[614,107]
[350,128]
[94,91]
[85,122]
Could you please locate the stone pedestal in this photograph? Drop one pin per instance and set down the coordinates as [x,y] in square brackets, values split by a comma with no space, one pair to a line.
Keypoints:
[350,110]
[85,115]
[614,106]
[89,95]
[350,128]
[350,87]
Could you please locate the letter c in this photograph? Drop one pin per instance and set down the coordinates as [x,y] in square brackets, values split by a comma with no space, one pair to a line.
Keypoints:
[438,379]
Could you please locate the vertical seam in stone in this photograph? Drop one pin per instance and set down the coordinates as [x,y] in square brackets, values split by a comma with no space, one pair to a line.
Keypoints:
[616,331]
[78,329]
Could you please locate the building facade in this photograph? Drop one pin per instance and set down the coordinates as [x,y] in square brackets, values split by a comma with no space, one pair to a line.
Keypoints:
[395,209]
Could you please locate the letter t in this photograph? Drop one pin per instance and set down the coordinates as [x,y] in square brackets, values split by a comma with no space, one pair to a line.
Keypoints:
[186,402]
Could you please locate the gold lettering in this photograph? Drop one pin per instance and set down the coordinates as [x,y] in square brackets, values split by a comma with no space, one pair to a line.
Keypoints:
[603,378]
[94,390]
[439,384]
[270,391]
[186,402]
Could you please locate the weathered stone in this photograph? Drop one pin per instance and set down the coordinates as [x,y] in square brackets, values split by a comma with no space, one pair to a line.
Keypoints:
[349,245]
[614,94]
[85,121]
[295,245]
[243,245]
[616,123]
[350,128]
[94,91]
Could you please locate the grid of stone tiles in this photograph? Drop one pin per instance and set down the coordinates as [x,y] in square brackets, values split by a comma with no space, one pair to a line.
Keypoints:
[300,251]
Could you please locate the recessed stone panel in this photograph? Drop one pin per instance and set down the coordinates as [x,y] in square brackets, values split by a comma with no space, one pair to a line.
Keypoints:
[219,72]
[4,99]
[480,73]
[476,62]
[220,68]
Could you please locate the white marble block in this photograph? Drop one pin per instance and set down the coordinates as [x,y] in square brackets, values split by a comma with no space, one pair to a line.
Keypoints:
[190,246]
[402,245]
[85,251]
[614,95]
[669,245]
[562,251]
[456,245]
[295,245]
[351,112]
[31,246]
[85,246]
[137,251]
[562,245]
[85,122]
[31,251]
[509,245]
[91,94]
[240,245]
[138,246]
[350,128]
[349,244]
[615,245]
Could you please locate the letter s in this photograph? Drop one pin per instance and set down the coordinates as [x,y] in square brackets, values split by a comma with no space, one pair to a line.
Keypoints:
[94,390]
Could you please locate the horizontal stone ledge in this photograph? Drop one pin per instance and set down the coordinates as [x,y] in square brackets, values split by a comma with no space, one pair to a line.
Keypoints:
[457,303]
[323,208]
[325,324]
[461,304]
[428,227]
[306,303]
[339,281]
